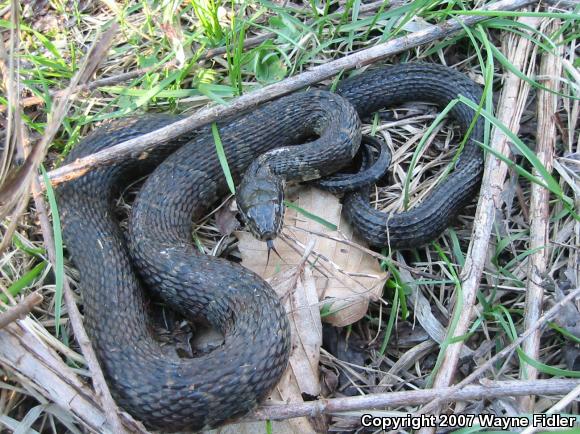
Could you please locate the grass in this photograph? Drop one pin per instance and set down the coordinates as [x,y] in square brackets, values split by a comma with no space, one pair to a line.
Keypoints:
[170,39]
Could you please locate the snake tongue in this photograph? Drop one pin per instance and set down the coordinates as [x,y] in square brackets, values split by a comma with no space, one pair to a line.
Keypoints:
[271,248]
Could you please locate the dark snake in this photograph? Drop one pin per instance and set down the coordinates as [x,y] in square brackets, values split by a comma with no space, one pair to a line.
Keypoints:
[151,381]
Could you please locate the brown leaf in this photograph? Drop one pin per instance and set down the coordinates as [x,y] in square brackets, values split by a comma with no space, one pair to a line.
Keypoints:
[346,278]
[225,219]
[306,327]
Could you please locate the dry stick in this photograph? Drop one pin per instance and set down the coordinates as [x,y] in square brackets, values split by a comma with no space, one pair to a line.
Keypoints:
[490,389]
[125,76]
[10,87]
[17,204]
[503,353]
[110,409]
[17,212]
[212,52]
[550,67]
[565,401]
[24,354]
[22,309]
[108,81]
[509,113]
[562,3]
[139,145]
[369,252]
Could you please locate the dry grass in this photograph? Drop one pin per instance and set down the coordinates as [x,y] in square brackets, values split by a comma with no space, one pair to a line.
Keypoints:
[395,347]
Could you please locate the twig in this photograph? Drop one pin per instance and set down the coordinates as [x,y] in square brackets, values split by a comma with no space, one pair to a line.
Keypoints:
[565,401]
[137,146]
[22,309]
[17,212]
[110,408]
[111,411]
[422,307]
[562,3]
[510,110]
[369,252]
[108,81]
[540,213]
[11,85]
[489,389]
[503,353]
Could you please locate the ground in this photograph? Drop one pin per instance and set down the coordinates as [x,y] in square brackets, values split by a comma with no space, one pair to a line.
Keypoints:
[521,235]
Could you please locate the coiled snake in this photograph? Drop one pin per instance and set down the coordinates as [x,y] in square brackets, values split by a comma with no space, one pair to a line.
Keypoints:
[155,385]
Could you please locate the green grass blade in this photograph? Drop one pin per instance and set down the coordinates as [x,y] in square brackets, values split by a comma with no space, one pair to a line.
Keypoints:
[449,339]
[58,251]
[557,15]
[25,280]
[548,180]
[546,369]
[390,323]
[565,333]
[311,216]
[29,250]
[219,147]
[509,66]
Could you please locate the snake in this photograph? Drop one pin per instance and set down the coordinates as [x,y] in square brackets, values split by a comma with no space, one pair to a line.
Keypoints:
[303,136]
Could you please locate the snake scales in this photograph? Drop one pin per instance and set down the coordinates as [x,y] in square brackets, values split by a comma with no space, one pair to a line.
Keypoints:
[156,385]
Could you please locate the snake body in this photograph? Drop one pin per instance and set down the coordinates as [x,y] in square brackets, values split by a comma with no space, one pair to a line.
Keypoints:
[417,82]
[155,385]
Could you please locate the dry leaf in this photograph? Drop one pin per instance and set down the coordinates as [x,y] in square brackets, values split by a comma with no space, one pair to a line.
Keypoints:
[299,291]
[225,219]
[346,278]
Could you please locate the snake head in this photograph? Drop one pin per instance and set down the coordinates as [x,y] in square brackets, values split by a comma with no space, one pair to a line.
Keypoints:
[260,198]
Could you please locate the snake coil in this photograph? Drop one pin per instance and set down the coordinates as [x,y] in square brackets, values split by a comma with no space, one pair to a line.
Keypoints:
[154,384]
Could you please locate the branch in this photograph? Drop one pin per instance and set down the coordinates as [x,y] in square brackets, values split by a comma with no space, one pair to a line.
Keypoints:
[137,146]
[111,411]
[22,309]
[110,408]
[19,184]
[209,54]
[551,67]
[41,368]
[487,390]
